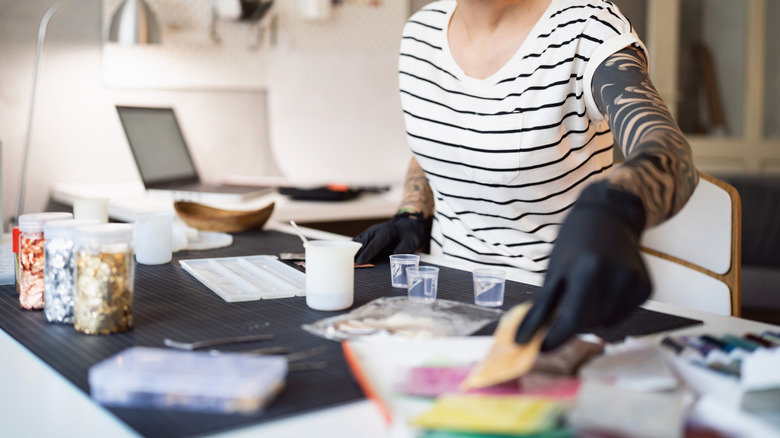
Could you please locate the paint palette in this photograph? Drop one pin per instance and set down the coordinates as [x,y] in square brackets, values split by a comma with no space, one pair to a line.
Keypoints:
[730,368]
[247,278]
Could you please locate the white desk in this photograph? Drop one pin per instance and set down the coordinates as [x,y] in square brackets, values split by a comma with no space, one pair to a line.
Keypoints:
[31,391]
[127,199]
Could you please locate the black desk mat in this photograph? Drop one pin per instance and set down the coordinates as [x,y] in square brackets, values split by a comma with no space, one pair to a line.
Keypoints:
[170,303]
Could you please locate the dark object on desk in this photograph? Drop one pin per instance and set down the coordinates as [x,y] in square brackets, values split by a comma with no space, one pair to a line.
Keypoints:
[254,10]
[206,218]
[332,192]
[170,302]
[214,342]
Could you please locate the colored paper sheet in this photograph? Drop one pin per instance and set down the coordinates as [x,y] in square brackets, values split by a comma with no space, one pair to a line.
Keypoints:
[559,433]
[431,381]
[492,414]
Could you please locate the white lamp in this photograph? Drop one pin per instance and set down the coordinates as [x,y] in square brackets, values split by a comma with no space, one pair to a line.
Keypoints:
[133,23]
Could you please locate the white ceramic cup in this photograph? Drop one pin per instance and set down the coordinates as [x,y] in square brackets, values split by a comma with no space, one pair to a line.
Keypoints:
[91,209]
[154,238]
[330,273]
[315,10]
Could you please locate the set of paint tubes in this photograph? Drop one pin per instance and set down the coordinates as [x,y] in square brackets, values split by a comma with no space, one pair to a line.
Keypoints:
[730,368]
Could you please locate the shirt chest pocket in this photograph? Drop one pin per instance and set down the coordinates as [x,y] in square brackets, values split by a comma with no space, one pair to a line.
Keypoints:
[491,153]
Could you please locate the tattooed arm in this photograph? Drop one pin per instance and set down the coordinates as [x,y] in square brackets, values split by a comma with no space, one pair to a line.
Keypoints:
[596,275]
[408,230]
[659,165]
[417,195]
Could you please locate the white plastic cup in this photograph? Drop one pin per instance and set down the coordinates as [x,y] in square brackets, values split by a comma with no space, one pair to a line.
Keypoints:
[91,209]
[422,283]
[398,265]
[330,273]
[154,238]
[489,287]
[315,10]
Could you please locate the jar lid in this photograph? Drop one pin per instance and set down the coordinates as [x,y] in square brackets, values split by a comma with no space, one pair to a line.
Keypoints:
[16,232]
[33,222]
[96,236]
[66,227]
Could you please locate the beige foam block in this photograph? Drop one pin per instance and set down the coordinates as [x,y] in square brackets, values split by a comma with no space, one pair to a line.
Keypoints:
[506,360]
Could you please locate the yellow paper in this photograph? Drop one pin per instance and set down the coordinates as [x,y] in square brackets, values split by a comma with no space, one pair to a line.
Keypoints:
[506,360]
[520,415]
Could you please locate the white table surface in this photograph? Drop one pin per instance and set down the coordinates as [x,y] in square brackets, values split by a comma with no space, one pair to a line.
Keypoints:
[127,199]
[31,391]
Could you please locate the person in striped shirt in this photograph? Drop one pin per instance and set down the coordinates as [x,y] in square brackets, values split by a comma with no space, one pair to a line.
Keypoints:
[512,110]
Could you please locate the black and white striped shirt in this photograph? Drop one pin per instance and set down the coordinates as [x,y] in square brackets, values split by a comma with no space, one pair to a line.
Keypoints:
[507,156]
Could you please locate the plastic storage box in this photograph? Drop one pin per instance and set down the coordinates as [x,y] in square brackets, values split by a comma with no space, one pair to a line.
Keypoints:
[228,383]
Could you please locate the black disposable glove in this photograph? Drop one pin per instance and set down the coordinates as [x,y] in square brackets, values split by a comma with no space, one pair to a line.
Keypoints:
[403,234]
[596,276]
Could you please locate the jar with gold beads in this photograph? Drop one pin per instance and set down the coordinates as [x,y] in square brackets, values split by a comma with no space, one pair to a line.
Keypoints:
[103,293]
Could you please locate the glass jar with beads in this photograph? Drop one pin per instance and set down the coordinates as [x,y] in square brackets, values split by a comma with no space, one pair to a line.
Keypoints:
[31,241]
[103,293]
[59,268]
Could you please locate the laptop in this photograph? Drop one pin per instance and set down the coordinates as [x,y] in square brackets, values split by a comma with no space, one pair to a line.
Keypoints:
[164,161]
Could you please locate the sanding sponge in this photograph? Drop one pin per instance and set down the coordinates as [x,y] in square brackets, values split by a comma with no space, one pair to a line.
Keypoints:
[506,360]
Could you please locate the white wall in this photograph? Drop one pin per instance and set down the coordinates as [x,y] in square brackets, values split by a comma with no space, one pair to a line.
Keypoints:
[76,133]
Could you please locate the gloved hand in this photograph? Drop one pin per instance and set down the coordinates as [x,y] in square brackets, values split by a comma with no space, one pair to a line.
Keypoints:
[595,276]
[402,234]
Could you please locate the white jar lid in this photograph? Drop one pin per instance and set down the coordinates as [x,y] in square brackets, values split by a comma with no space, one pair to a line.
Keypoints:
[104,236]
[66,227]
[33,223]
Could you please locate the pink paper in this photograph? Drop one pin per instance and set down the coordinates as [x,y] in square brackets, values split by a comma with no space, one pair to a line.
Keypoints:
[434,381]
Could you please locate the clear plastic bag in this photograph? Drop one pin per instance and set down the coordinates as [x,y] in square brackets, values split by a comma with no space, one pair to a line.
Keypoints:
[397,316]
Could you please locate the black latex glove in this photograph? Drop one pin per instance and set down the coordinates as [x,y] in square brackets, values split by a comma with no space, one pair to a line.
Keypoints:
[403,234]
[596,276]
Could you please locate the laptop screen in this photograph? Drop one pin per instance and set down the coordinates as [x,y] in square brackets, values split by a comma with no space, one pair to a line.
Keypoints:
[158,145]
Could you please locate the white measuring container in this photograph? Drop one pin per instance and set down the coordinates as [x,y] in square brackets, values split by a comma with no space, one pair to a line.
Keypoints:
[330,273]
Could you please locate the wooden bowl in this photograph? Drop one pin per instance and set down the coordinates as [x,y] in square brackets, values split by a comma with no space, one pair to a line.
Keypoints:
[204,218]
